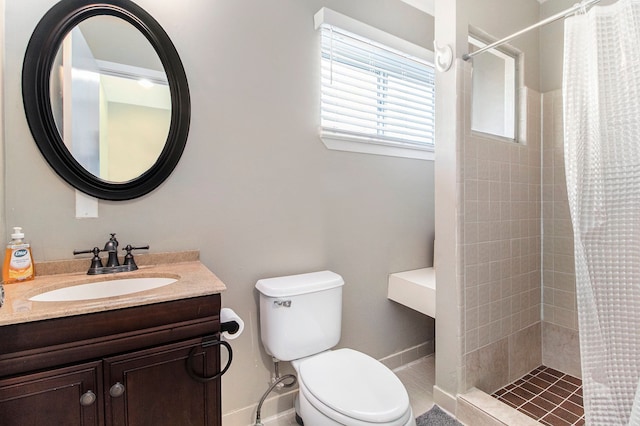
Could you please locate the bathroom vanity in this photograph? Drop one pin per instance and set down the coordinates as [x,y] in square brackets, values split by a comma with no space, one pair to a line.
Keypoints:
[148,358]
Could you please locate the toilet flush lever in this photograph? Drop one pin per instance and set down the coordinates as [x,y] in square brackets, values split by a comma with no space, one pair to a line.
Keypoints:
[282,303]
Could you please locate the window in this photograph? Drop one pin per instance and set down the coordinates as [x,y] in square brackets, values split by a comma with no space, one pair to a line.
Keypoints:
[494,92]
[375,98]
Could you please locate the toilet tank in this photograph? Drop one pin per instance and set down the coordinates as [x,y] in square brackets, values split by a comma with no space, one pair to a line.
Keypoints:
[300,315]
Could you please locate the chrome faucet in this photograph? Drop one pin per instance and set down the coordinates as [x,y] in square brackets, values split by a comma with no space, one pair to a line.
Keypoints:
[113,264]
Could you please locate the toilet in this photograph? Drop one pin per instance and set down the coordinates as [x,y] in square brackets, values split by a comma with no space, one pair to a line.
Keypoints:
[300,320]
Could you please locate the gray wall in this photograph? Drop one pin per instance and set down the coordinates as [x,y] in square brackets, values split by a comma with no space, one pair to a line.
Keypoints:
[552,45]
[499,18]
[256,191]
[2,201]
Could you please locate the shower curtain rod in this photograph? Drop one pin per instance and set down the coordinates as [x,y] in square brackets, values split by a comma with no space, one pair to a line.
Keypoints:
[573,9]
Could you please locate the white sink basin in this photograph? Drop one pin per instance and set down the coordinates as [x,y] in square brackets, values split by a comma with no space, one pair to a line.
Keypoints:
[102,289]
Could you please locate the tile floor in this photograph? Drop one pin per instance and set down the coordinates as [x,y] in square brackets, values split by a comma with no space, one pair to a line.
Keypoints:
[546,395]
[418,378]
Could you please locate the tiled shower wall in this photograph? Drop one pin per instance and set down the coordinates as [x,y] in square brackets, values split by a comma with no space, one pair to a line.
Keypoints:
[500,248]
[560,318]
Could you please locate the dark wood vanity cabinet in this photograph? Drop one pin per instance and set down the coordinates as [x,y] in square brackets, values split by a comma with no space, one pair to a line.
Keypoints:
[124,367]
[52,397]
[156,389]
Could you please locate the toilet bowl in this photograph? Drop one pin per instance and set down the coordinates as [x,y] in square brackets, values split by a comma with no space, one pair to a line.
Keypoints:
[347,387]
[300,321]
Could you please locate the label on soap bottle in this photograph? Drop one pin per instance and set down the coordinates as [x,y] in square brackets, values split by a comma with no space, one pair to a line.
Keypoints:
[20,258]
[20,264]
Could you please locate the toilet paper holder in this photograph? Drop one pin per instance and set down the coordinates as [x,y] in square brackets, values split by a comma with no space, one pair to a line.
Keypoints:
[230,327]
[233,326]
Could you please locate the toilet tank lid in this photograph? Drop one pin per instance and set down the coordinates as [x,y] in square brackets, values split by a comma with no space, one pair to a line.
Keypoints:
[293,285]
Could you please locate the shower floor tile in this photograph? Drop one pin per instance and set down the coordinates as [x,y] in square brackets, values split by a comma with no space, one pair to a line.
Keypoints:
[546,395]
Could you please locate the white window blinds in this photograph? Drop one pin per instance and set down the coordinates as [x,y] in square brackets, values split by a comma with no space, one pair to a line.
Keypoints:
[374,93]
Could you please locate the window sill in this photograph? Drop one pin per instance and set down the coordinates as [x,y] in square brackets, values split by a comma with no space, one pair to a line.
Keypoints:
[371,146]
[491,136]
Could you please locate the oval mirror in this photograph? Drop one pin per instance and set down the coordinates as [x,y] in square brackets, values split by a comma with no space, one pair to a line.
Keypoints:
[106,97]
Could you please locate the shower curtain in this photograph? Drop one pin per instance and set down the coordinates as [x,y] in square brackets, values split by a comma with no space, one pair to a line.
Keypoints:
[601,92]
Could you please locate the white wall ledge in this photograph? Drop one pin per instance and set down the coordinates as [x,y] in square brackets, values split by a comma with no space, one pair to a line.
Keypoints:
[415,289]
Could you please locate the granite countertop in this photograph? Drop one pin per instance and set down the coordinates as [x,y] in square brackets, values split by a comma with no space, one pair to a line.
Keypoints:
[194,279]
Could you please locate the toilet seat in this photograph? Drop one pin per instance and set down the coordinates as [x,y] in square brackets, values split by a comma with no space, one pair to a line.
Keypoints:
[348,384]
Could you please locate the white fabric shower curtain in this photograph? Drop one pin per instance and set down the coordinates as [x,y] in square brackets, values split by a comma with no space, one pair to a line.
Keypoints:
[601,92]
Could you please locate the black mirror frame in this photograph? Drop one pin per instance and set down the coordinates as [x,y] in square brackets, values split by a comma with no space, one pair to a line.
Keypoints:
[39,58]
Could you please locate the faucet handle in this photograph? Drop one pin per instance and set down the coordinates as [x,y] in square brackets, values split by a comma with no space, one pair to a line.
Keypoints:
[128,258]
[129,247]
[96,262]
[86,251]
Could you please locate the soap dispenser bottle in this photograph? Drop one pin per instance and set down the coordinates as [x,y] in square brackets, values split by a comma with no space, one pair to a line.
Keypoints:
[18,263]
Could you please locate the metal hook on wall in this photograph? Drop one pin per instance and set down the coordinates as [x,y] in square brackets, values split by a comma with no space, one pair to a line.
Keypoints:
[444,56]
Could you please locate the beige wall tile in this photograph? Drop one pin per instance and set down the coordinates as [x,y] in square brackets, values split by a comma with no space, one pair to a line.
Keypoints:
[525,351]
[470,168]
[563,245]
[561,211]
[507,289]
[565,300]
[470,190]
[483,170]
[470,211]
[549,313]
[559,308]
[561,349]
[564,263]
[472,318]
[471,276]
[563,281]
[484,273]
[470,254]
[563,228]
[485,367]
[484,315]
[565,317]
[471,340]
[501,244]
[484,337]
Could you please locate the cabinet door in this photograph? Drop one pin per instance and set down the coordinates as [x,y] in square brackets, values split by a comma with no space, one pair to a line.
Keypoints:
[65,396]
[152,387]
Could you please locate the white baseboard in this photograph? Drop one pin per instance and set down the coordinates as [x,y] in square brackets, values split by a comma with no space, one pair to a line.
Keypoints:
[445,400]
[273,407]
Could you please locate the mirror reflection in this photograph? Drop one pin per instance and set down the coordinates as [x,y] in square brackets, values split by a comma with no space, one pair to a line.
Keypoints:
[110,98]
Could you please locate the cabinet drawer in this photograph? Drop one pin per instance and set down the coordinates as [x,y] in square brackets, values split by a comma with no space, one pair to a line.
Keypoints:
[44,344]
